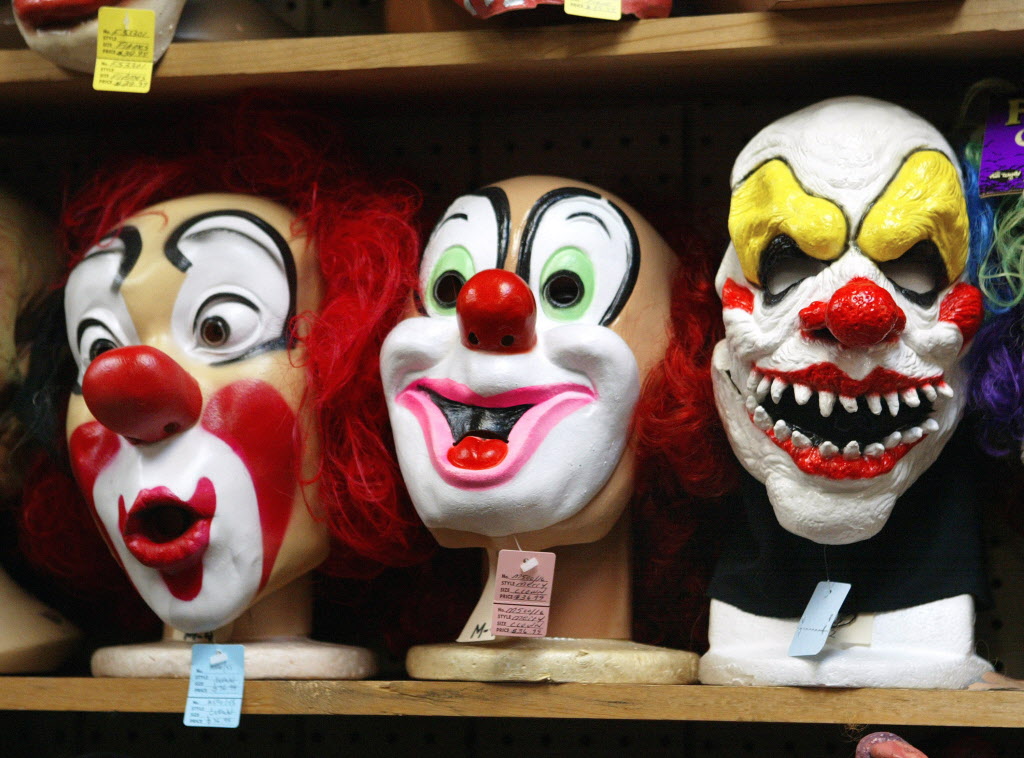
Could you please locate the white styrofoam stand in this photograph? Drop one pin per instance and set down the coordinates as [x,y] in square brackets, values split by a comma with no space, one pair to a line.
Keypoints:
[276,659]
[928,646]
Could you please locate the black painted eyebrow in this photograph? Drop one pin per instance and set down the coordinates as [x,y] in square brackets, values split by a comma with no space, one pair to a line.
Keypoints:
[588,214]
[132,241]
[85,324]
[453,217]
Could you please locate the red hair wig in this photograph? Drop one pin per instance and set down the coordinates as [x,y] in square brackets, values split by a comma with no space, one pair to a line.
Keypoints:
[367,246]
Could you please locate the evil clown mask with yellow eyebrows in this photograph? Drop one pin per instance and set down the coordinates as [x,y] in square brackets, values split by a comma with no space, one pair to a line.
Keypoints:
[545,302]
[839,379]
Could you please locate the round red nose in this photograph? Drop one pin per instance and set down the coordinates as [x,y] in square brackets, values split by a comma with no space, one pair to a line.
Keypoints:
[140,393]
[497,313]
[860,314]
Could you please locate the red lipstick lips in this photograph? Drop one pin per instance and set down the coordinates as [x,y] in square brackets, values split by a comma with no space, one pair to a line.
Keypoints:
[168,534]
[43,13]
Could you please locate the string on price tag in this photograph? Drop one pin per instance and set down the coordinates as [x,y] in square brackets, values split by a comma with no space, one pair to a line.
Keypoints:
[124,50]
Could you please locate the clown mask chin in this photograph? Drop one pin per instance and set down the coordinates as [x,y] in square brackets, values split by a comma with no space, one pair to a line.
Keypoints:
[838,380]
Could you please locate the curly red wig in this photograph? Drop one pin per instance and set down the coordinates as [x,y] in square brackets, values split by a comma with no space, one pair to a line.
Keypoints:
[367,245]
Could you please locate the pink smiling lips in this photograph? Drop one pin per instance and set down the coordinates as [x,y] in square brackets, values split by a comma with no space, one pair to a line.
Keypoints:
[477,441]
[838,427]
[171,535]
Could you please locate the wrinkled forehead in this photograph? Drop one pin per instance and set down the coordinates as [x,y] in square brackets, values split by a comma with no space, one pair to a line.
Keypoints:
[845,149]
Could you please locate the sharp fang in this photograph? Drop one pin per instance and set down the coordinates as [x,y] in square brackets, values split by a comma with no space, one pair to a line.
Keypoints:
[930,426]
[910,397]
[913,434]
[762,388]
[827,449]
[825,402]
[852,450]
[893,401]
[778,387]
[782,431]
[929,392]
[875,403]
[802,393]
[752,380]
[893,440]
[762,419]
[944,389]
[849,403]
[800,439]
[874,450]
[751,403]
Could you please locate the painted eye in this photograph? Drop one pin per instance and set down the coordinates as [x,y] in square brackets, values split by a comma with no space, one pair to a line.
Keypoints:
[452,270]
[567,284]
[227,323]
[94,340]
[919,274]
[783,266]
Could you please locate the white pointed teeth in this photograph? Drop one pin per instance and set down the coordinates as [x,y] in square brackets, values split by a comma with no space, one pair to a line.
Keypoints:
[929,392]
[893,401]
[802,393]
[778,387]
[849,403]
[944,389]
[875,403]
[753,378]
[930,426]
[910,397]
[826,400]
[828,449]
[751,403]
[913,434]
[800,440]
[893,440]
[762,419]
[852,450]
[782,431]
[874,450]
[762,388]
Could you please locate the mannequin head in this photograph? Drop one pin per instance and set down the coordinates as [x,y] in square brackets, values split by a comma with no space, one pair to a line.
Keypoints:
[241,289]
[544,304]
[64,31]
[846,314]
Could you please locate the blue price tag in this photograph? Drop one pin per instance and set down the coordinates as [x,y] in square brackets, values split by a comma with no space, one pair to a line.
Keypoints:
[820,614]
[215,686]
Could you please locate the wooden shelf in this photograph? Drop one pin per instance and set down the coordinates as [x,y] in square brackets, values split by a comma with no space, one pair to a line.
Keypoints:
[655,55]
[570,701]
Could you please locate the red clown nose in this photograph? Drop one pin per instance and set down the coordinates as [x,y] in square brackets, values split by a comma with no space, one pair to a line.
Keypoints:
[859,314]
[141,393]
[497,313]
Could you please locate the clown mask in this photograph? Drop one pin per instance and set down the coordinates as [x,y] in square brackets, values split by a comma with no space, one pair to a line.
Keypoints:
[544,304]
[64,31]
[839,378]
[187,433]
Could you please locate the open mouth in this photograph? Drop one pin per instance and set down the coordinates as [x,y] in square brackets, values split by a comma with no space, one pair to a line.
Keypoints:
[57,14]
[482,440]
[839,427]
[169,534]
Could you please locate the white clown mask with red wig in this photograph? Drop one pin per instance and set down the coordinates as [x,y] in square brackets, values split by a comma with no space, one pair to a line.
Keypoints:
[185,431]
[839,379]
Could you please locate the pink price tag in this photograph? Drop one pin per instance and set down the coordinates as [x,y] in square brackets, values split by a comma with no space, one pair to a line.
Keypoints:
[522,593]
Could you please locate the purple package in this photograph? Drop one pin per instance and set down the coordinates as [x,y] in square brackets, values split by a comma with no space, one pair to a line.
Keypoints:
[1002,155]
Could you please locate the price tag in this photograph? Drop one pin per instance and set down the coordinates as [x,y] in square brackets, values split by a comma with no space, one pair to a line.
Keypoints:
[215,686]
[1002,153]
[522,593]
[124,50]
[609,10]
[820,614]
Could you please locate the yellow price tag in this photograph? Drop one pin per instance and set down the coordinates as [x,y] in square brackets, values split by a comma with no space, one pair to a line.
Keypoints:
[609,10]
[124,50]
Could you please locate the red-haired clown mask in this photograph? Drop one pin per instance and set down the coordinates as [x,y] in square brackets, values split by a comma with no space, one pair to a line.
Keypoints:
[544,304]
[839,379]
[64,31]
[187,434]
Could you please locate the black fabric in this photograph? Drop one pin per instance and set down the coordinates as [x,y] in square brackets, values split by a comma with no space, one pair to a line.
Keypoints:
[930,549]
